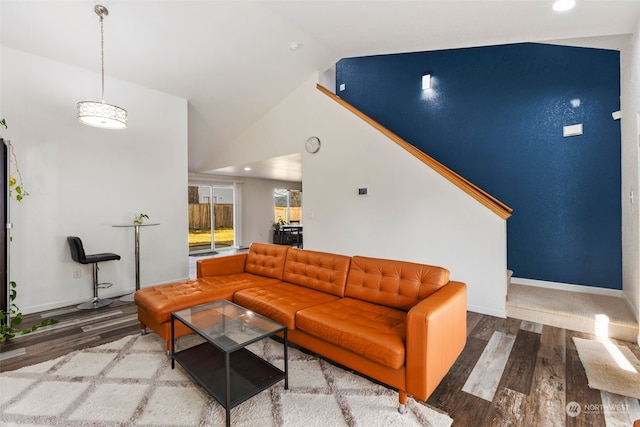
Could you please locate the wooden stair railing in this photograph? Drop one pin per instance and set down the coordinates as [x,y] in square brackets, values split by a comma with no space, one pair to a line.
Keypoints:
[495,205]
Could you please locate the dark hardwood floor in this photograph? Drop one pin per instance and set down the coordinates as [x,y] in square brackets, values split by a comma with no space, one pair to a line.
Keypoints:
[77,329]
[539,375]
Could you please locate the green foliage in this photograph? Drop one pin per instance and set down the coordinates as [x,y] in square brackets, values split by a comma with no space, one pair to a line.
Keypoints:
[139,219]
[11,320]
[15,185]
[20,193]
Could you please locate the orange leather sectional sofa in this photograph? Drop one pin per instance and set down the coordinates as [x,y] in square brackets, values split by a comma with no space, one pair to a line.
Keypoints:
[400,323]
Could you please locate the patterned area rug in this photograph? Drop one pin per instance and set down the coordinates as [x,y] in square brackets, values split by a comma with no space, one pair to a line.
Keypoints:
[130,382]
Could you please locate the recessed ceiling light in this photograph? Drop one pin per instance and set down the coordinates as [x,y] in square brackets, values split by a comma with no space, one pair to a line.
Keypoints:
[563,5]
[247,168]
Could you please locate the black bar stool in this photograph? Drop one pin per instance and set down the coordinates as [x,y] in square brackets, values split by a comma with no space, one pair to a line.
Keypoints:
[78,255]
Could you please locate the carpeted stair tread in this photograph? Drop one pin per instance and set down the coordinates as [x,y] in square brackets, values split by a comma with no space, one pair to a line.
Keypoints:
[571,310]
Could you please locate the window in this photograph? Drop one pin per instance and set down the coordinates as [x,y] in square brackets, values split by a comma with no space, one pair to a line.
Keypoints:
[211,208]
[288,205]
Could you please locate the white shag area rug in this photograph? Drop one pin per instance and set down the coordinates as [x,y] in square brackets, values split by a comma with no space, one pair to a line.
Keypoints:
[610,367]
[130,382]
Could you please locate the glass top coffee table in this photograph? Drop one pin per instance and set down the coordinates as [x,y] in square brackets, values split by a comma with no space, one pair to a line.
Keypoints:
[219,361]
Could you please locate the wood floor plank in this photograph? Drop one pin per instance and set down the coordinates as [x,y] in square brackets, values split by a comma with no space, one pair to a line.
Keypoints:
[115,334]
[507,409]
[518,374]
[485,328]
[531,326]
[469,410]
[472,320]
[635,349]
[578,390]
[615,410]
[553,345]
[633,408]
[546,405]
[488,324]
[446,395]
[512,326]
[486,375]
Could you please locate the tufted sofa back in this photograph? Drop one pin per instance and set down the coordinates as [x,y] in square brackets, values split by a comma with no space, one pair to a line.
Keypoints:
[317,270]
[266,260]
[396,284]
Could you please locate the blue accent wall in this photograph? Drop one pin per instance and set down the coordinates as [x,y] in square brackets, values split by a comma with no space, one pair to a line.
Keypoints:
[495,116]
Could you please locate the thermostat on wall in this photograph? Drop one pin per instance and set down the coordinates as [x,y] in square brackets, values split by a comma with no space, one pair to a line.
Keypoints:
[363,191]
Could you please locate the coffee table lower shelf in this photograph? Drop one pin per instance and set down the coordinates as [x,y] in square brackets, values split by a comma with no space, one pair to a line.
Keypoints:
[248,373]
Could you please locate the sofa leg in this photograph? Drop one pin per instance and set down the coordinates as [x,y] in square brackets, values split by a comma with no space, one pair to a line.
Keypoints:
[143,329]
[402,399]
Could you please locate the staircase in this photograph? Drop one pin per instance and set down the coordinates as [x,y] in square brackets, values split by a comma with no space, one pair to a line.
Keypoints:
[601,315]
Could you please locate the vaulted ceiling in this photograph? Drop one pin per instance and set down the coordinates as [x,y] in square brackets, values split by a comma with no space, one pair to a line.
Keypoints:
[232,60]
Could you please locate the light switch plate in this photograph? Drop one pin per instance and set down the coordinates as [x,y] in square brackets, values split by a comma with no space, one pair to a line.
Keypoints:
[572,130]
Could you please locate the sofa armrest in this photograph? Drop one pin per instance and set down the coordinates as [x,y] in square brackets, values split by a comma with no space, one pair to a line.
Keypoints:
[219,266]
[436,335]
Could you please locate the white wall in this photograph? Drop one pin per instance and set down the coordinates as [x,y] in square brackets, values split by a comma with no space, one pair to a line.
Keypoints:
[412,213]
[82,180]
[630,126]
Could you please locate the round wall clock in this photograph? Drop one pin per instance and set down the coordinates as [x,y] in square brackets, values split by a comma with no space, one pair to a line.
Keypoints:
[313,144]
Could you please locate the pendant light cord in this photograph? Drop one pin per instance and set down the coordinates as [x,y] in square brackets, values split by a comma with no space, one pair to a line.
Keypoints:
[102,51]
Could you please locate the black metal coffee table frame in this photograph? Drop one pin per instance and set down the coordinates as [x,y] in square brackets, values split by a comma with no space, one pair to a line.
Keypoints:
[221,364]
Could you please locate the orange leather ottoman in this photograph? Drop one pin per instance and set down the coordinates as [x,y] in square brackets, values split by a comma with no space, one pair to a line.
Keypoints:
[155,304]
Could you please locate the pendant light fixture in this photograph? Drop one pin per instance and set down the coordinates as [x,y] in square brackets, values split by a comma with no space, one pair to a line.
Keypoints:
[100,114]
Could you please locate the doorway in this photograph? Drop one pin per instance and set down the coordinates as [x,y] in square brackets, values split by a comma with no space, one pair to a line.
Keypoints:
[211,218]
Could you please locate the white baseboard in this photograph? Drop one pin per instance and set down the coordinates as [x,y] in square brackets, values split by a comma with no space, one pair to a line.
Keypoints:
[488,311]
[103,293]
[567,287]
[70,302]
[633,308]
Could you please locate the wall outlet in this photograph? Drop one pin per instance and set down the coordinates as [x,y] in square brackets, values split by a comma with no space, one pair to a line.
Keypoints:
[77,273]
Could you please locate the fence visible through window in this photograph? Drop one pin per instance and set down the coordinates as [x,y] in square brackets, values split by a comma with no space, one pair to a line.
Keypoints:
[288,206]
[210,208]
